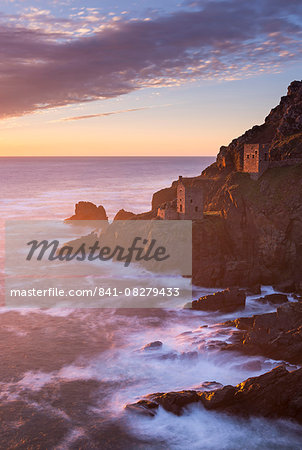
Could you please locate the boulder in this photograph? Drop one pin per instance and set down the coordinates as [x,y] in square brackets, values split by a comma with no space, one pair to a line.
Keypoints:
[227,300]
[88,211]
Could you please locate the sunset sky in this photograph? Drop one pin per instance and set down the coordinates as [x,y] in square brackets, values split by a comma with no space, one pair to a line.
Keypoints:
[100,77]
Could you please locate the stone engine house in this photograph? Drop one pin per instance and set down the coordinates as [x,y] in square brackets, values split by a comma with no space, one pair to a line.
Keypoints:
[188,204]
[256,159]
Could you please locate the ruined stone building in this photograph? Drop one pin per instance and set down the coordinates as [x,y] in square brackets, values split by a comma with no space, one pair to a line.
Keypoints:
[255,159]
[188,204]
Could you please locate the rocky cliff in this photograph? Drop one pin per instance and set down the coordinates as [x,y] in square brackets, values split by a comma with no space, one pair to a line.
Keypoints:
[282,129]
[252,230]
[257,238]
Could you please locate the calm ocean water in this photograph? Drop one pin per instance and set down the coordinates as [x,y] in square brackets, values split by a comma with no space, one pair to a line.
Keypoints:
[49,187]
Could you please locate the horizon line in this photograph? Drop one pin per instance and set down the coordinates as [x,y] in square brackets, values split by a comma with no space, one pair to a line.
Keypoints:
[108,156]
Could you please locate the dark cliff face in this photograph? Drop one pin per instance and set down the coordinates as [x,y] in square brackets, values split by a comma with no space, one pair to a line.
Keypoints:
[257,237]
[282,129]
[252,230]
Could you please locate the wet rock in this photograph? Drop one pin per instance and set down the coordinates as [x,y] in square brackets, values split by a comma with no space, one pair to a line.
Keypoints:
[227,300]
[175,402]
[253,290]
[189,355]
[285,287]
[153,345]
[144,407]
[275,299]
[277,335]
[213,344]
[209,386]
[254,365]
[275,394]
[88,211]
[124,215]
[171,355]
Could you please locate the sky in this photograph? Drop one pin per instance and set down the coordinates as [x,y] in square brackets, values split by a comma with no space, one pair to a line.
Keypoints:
[149,78]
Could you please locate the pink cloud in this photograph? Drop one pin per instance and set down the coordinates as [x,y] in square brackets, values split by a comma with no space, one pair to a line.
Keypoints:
[45,69]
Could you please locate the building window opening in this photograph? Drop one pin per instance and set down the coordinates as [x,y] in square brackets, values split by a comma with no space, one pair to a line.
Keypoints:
[265,157]
[180,208]
[196,208]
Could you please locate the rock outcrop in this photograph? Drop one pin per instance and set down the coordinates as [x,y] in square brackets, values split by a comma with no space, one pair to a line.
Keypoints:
[227,300]
[275,394]
[276,335]
[252,232]
[88,211]
[282,129]
[124,215]
[275,299]
[163,196]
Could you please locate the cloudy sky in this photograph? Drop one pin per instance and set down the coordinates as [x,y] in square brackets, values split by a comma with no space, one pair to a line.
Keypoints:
[100,77]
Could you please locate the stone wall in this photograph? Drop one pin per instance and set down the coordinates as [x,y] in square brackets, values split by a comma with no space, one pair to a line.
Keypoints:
[251,158]
[189,201]
[255,159]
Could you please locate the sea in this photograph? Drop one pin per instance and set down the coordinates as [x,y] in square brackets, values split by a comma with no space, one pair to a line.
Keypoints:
[66,374]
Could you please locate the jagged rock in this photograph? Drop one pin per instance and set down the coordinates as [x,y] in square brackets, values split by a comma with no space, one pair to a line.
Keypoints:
[227,300]
[124,215]
[282,129]
[277,335]
[274,394]
[88,211]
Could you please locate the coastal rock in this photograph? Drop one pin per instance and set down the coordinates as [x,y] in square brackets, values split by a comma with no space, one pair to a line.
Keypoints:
[143,407]
[227,300]
[173,402]
[258,237]
[163,196]
[275,394]
[88,211]
[276,335]
[124,215]
[253,290]
[153,345]
[275,299]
